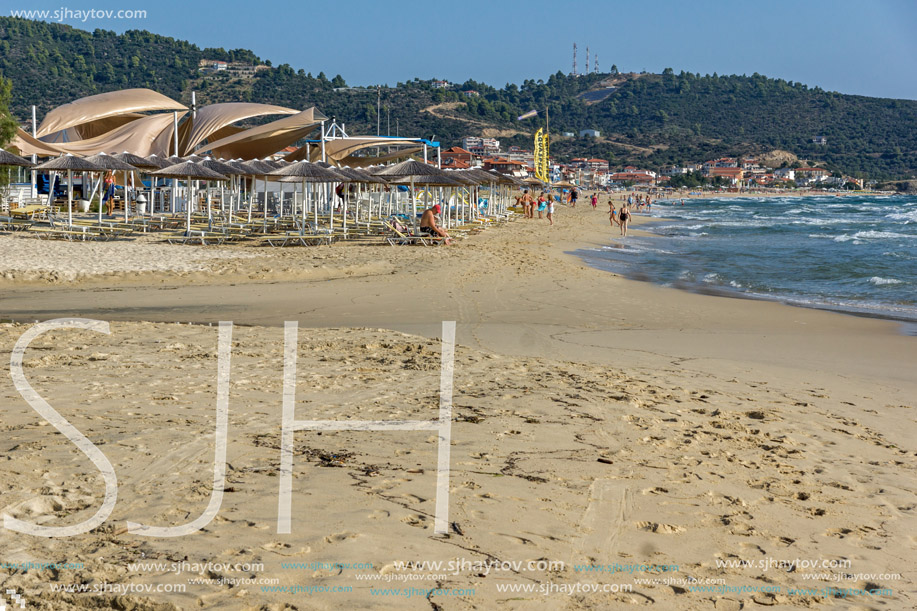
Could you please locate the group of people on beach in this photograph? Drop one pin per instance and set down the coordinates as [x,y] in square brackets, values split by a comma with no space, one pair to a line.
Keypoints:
[621,217]
[544,205]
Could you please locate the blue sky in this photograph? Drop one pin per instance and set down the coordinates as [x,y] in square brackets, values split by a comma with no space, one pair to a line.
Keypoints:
[867,47]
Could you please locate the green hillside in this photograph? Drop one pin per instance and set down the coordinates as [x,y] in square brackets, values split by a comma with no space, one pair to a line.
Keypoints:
[647,119]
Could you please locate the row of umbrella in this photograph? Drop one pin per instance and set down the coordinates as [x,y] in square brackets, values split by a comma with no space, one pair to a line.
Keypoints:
[411,172]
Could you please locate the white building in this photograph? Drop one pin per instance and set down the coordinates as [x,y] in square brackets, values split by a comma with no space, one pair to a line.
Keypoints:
[481,146]
[591,133]
[785,173]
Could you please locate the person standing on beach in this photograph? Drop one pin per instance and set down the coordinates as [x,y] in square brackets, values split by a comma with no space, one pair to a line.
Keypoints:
[624,220]
[595,200]
[108,197]
[527,204]
[573,196]
[612,214]
[550,207]
[542,204]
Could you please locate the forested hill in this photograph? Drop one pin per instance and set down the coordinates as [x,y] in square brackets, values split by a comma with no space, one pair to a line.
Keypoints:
[650,120]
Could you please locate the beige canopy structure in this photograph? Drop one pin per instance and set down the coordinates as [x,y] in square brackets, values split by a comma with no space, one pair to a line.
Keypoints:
[338,149]
[141,137]
[92,128]
[264,140]
[27,145]
[362,162]
[104,105]
[211,120]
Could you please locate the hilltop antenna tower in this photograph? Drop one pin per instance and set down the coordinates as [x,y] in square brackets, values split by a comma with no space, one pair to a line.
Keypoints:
[586,71]
[574,59]
[596,63]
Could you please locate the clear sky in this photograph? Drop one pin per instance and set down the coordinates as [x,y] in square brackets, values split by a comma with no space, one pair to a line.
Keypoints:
[866,47]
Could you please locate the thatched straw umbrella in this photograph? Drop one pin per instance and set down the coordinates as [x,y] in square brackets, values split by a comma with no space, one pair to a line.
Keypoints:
[220,167]
[445,180]
[143,164]
[110,162]
[70,163]
[308,172]
[189,170]
[157,162]
[257,167]
[10,159]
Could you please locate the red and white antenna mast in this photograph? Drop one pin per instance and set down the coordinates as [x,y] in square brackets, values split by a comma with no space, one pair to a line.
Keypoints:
[586,71]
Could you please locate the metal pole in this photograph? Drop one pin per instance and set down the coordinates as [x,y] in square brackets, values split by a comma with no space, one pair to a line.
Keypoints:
[34,192]
[323,142]
[175,130]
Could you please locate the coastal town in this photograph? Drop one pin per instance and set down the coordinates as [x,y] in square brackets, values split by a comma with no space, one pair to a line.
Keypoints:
[726,172]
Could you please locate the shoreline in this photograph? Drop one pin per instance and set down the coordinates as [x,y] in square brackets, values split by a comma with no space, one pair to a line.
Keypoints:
[907,325]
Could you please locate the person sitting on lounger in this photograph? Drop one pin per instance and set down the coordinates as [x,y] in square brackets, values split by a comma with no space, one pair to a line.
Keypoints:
[428,224]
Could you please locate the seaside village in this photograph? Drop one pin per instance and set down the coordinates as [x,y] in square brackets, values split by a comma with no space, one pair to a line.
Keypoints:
[735,173]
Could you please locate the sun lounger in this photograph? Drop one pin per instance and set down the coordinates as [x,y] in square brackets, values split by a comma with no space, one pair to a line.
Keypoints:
[195,236]
[33,212]
[397,237]
[15,223]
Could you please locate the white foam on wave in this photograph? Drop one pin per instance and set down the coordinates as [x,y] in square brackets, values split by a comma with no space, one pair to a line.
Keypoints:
[883,281]
[907,217]
[819,222]
[870,235]
[689,227]
[879,235]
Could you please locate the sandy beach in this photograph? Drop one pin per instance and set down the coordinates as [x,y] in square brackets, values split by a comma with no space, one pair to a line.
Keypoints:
[613,444]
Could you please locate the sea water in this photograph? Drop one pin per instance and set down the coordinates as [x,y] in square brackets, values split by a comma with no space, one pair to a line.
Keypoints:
[856,254]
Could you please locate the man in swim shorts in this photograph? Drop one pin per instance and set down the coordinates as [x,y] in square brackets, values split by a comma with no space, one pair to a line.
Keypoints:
[428,224]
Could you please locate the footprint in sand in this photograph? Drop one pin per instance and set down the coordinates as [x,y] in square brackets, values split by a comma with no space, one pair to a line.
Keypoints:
[656,527]
[342,536]
[415,519]
[514,538]
[413,498]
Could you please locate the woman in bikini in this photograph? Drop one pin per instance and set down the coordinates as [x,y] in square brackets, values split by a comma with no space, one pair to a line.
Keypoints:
[612,214]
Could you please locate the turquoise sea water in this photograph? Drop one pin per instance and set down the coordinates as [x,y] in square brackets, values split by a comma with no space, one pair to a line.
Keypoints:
[856,254]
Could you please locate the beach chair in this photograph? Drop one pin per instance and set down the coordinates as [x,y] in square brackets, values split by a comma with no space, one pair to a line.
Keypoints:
[15,223]
[398,235]
[197,236]
[32,212]
[305,234]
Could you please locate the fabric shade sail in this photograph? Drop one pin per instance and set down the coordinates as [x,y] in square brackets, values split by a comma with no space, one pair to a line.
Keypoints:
[264,140]
[137,137]
[96,107]
[210,120]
